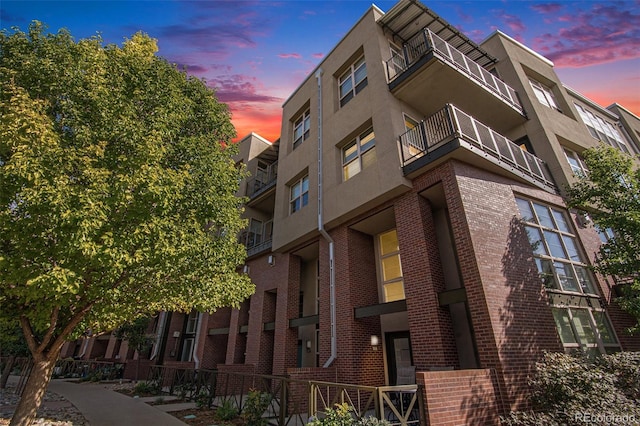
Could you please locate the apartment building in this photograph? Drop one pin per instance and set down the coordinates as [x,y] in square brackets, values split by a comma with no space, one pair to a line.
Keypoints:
[411,216]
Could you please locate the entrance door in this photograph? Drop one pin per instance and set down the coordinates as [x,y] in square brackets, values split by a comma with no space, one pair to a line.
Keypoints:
[398,346]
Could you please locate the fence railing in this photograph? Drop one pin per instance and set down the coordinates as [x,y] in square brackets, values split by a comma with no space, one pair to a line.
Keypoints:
[88,369]
[426,41]
[450,123]
[264,179]
[290,401]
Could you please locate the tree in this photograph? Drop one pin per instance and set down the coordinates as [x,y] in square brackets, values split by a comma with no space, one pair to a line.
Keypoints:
[610,193]
[12,346]
[118,192]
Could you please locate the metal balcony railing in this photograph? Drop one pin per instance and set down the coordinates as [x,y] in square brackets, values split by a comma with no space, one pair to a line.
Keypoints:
[263,181]
[450,123]
[426,42]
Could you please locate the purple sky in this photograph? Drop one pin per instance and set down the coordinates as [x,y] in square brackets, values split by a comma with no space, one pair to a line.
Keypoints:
[255,53]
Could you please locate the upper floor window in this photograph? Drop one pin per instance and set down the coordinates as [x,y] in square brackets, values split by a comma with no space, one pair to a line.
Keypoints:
[358,153]
[577,165]
[544,94]
[580,319]
[299,195]
[602,129]
[353,80]
[390,266]
[301,128]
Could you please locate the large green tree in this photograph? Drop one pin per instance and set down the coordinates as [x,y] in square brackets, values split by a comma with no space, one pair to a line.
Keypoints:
[610,193]
[117,192]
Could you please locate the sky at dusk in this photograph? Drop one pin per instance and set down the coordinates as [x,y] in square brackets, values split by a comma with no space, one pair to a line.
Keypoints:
[256,53]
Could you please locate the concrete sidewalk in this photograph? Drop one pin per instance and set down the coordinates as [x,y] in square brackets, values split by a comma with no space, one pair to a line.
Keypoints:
[104,407]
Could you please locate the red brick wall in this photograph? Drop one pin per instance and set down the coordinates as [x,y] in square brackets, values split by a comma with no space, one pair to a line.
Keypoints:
[299,392]
[460,397]
[228,383]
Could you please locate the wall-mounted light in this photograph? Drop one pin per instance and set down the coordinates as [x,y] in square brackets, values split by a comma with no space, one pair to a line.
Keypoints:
[271,260]
[375,342]
[308,345]
[245,269]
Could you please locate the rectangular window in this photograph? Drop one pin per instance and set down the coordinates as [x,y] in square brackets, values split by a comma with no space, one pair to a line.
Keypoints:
[358,154]
[544,94]
[390,266]
[603,130]
[580,320]
[301,129]
[299,194]
[576,163]
[352,81]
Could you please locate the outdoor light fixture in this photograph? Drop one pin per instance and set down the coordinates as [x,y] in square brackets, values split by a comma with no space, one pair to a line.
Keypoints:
[308,345]
[245,269]
[271,260]
[375,342]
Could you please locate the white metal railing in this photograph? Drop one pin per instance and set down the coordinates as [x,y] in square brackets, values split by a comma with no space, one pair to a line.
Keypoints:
[426,41]
[450,123]
[263,180]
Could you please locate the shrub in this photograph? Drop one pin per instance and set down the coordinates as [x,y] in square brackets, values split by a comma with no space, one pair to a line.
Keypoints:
[146,388]
[226,411]
[203,399]
[371,421]
[339,416]
[254,408]
[571,389]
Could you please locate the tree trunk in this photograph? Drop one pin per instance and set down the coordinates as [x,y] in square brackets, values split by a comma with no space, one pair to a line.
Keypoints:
[7,371]
[34,390]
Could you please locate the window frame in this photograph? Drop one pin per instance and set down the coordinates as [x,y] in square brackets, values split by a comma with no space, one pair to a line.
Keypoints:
[361,149]
[576,163]
[349,76]
[563,298]
[302,122]
[603,130]
[380,261]
[303,197]
[544,94]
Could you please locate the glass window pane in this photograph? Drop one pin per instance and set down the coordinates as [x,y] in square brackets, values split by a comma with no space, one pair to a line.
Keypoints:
[566,277]
[389,242]
[585,281]
[349,152]
[393,291]
[525,209]
[295,205]
[563,324]
[570,245]
[604,327]
[543,215]
[360,73]
[368,158]
[305,198]
[305,184]
[346,87]
[295,191]
[545,269]
[561,222]
[555,246]
[535,239]
[583,327]
[391,267]
[367,140]
[351,169]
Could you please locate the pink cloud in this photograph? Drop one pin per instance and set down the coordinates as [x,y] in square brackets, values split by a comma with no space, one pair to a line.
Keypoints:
[603,34]
[546,8]
[317,55]
[514,23]
[289,55]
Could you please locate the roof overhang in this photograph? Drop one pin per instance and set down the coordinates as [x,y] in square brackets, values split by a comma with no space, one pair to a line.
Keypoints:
[408,17]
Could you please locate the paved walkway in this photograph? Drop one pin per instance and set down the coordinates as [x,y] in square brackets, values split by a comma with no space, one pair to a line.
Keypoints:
[104,407]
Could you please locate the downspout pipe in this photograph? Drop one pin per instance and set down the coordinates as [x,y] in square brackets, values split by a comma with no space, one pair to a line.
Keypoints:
[159,335]
[324,233]
[196,359]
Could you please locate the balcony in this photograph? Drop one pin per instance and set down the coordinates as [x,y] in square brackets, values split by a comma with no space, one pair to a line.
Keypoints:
[264,180]
[437,64]
[451,133]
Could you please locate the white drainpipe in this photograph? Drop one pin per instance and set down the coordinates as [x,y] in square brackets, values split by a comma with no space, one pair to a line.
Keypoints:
[325,234]
[197,341]
[160,332]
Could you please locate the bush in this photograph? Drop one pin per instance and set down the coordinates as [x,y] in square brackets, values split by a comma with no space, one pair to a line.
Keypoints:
[146,388]
[341,416]
[574,390]
[254,408]
[226,411]
[371,421]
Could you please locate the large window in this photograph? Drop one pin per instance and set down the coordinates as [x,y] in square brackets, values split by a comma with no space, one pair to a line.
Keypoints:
[390,266]
[301,129]
[299,194]
[580,319]
[544,94]
[358,153]
[575,161]
[602,129]
[353,80]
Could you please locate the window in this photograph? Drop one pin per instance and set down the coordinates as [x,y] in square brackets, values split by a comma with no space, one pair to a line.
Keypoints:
[358,153]
[188,337]
[580,319]
[299,194]
[301,129]
[544,94]
[352,81]
[577,166]
[602,129]
[390,266]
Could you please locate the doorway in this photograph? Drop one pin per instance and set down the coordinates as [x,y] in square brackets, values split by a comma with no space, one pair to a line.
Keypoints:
[398,348]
